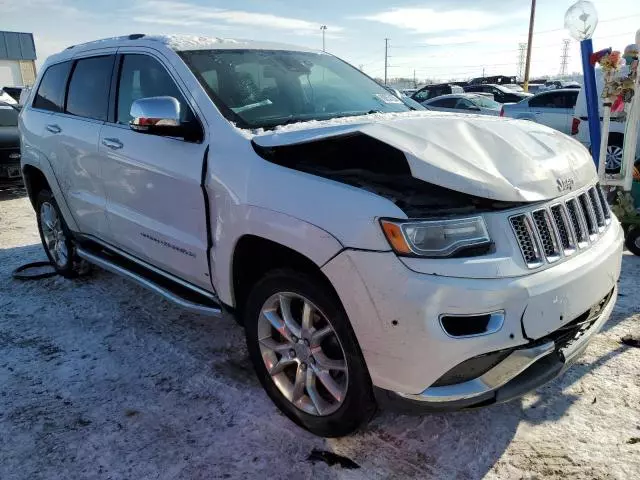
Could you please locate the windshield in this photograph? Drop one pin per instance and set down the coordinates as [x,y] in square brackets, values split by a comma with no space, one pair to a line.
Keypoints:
[267,88]
[8,116]
[486,102]
[514,86]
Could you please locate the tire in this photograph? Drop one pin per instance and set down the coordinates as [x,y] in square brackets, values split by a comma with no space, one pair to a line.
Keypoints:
[632,240]
[614,154]
[57,239]
[316,408]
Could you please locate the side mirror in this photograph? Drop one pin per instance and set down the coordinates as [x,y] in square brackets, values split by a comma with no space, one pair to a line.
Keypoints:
[161,116]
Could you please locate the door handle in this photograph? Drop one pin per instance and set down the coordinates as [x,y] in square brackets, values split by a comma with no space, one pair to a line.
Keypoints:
[53,128]
[112,143]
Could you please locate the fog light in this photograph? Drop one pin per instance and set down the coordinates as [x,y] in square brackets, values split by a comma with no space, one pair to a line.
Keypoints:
[14,156]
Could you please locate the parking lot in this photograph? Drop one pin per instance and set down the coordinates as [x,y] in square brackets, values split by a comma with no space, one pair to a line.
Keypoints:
[102,379]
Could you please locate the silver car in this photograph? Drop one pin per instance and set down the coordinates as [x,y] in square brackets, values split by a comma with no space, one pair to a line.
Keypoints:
[464,103]
[552,108]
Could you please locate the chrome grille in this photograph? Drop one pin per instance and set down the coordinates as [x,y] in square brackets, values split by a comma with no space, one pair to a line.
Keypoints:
[524,233]
[550,233]
[546,234]
[605,205]
[589,216]
[597,208]
[577,221]
[561,220]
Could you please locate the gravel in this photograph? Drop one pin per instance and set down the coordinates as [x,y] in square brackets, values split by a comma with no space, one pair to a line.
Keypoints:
[100,379]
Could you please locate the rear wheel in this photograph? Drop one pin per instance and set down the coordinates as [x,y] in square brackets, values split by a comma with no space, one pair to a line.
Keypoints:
[306,355]
[56,237]
[613,161]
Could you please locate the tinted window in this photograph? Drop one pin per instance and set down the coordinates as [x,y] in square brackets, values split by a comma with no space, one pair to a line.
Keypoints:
[51,91]
[89,88]
[142,76]
[464,104]
[444,102]
[554,100]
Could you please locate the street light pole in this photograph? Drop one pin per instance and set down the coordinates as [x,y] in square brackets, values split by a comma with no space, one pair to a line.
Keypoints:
[528,61]
[324,29]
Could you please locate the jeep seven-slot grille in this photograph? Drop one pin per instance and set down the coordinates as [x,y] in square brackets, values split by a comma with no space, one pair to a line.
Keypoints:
[550,233]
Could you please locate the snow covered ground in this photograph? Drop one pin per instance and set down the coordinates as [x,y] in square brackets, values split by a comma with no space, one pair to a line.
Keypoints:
[102,379]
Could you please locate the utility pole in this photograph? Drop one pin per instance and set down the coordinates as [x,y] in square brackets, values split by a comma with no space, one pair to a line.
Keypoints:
[324,29]
[522,48]
[527,66]
[415,84]
[564,57]
[482,72]
[386,59]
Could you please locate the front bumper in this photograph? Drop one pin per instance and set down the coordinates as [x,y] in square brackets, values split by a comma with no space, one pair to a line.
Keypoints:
[522,371]
[395,315]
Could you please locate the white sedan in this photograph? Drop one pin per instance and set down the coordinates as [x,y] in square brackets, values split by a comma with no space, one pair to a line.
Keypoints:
[464,103]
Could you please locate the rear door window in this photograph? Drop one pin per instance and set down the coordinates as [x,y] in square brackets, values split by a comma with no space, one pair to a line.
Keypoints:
[89,88]
[50,95]
[444,103]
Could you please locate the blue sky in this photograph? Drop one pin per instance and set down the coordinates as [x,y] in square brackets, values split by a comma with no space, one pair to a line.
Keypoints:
[440,39]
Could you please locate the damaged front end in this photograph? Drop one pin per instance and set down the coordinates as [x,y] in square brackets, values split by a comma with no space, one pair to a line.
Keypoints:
[365,162]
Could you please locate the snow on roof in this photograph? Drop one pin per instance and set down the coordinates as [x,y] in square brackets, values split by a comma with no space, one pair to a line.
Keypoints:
[191,42]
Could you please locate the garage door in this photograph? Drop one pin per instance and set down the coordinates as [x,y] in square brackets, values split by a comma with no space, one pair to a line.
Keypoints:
[10,74]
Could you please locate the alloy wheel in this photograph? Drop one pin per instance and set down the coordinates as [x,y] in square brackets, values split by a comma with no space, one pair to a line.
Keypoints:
[614,157]
[54,237]
[303,354]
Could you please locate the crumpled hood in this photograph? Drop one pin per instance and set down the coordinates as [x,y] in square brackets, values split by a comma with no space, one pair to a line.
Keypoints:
[496,158]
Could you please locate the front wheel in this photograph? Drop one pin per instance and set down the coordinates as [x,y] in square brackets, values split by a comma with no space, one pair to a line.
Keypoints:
[306,355]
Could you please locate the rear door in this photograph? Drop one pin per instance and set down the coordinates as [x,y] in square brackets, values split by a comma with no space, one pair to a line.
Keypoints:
[551,109]
[155,203]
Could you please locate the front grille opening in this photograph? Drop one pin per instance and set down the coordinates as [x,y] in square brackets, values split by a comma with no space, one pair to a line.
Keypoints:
[597,209]
[559,220]
[588,214]
[525,240]
[549,246]
[472,368]
[604,203]
[572,207]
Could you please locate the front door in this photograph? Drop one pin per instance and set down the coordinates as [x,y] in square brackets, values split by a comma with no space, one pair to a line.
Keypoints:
[155,204]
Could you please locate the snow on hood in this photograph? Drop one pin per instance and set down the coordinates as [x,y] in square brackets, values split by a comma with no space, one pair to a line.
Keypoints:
[496,158]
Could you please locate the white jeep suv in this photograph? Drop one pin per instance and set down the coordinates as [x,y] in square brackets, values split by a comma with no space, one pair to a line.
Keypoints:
[374,254]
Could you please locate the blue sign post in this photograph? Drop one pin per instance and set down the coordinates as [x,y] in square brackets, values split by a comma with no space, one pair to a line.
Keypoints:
[591,95]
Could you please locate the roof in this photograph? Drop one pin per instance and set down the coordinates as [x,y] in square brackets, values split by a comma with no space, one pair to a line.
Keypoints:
[178,43]
[455,95]
[17,46]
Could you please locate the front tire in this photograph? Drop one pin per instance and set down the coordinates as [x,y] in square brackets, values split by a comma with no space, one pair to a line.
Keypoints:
[56,237]
[306,355]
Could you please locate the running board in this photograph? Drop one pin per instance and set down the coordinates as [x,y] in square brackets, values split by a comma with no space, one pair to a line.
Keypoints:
[176,292]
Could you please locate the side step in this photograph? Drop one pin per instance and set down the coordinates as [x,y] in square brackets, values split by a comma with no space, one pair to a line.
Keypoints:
[171,288]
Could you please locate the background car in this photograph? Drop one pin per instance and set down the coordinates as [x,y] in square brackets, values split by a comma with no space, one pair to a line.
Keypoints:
[580,127]
[6,98]
[553,109]
[436,90]
[500,93]
[464,103]
[13,92]
[9,143]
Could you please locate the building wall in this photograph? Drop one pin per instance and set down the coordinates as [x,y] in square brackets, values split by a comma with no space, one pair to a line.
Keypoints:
[10,74]
[28,71]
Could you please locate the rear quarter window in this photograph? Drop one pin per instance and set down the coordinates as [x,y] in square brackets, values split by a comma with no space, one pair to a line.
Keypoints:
[50,94]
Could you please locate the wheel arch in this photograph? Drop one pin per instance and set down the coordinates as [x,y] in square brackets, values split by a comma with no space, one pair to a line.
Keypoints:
[254,256]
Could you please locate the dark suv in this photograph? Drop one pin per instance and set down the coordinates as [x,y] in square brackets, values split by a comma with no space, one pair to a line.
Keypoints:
[431,91]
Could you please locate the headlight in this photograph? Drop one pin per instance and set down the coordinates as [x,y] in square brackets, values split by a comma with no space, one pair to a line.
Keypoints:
[437,238]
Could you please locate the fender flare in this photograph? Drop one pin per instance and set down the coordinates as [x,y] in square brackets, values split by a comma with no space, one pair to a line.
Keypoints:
[307,239]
